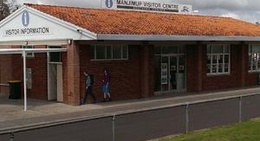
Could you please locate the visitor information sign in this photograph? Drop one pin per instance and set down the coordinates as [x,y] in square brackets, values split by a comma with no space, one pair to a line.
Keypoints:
[145,5]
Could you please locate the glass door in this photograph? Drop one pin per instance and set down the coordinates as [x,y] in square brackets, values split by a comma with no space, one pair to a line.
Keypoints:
[180,74]
[177,73]
[170,73]
[173,69]
[165,73]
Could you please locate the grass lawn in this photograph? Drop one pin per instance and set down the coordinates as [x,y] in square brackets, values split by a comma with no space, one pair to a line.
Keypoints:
[245,131]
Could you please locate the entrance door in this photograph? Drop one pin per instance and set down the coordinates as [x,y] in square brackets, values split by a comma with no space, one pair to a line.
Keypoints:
[173,73]
[52,95]
[55,82]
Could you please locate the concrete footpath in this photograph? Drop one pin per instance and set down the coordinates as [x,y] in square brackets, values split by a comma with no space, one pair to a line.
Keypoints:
[14,118]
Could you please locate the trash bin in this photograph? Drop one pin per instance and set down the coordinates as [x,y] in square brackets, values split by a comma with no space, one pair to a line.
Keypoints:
[15,89]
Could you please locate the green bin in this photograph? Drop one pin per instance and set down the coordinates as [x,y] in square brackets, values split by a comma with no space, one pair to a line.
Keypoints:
[15,89]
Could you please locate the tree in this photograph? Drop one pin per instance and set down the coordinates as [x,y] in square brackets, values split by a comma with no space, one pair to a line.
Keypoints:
[7,7]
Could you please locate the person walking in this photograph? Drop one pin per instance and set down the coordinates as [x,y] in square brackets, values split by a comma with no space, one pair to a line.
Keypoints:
[89,83]
[105,86]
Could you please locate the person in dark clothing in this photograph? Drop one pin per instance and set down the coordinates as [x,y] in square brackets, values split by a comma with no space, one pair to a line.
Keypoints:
[88,89]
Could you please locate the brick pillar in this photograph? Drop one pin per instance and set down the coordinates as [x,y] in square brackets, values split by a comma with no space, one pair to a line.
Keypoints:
[244,61]
[200,66]
[195,67]
[144,70]
[73,74]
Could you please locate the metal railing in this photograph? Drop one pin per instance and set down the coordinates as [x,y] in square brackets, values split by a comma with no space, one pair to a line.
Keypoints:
[145,124]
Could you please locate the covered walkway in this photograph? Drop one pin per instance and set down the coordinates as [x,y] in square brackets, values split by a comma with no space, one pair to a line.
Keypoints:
[23,52]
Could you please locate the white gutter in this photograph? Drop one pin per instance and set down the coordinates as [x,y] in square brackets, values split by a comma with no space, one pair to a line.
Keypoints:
[36,42]
[32,50]
[174,38]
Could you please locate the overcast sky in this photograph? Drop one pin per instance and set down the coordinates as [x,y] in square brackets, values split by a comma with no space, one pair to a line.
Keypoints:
[248,10]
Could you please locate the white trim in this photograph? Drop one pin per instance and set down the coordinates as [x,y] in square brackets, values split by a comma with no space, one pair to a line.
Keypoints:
[24,80]
[33,50]
[137,37]
[55,42]
[223,54]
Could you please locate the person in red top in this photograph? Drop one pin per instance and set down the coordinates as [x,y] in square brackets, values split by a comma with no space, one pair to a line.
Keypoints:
[105,86]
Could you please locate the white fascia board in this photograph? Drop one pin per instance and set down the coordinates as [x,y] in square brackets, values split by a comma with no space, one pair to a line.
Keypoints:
[37,50]
[57,42]
[83,32]
[174,38]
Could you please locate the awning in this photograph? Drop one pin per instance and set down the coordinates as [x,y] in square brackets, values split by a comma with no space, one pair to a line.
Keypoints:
[23,53]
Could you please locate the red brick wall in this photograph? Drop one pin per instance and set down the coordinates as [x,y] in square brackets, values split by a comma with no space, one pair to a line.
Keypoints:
[5,72]
[192,68]
[38,64]
[65,78]
[72,73]
[252,79]
[216,82]
[151,71]
[125,74]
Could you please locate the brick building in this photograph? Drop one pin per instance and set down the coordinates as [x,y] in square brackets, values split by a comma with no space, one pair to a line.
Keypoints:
[146,53]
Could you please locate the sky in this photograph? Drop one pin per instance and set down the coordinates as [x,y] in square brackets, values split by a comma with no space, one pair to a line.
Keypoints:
[247,10]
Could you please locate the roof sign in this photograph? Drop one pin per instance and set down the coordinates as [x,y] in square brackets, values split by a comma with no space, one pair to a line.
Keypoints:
[146,6]
[109,3]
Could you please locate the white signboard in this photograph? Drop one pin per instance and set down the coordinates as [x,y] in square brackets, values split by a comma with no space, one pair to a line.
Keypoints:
[25,28]
[30,25]
[164,73]
[145,5]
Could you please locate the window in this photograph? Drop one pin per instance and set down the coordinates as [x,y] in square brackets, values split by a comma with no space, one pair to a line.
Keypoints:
[55,56]
[218,59]
[109,52]
[254,58]
[30,54]
[170,49]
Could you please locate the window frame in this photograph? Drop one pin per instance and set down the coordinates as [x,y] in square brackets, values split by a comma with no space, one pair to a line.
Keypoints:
[226,51]
[251,62]
[108,52]
[51,53]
